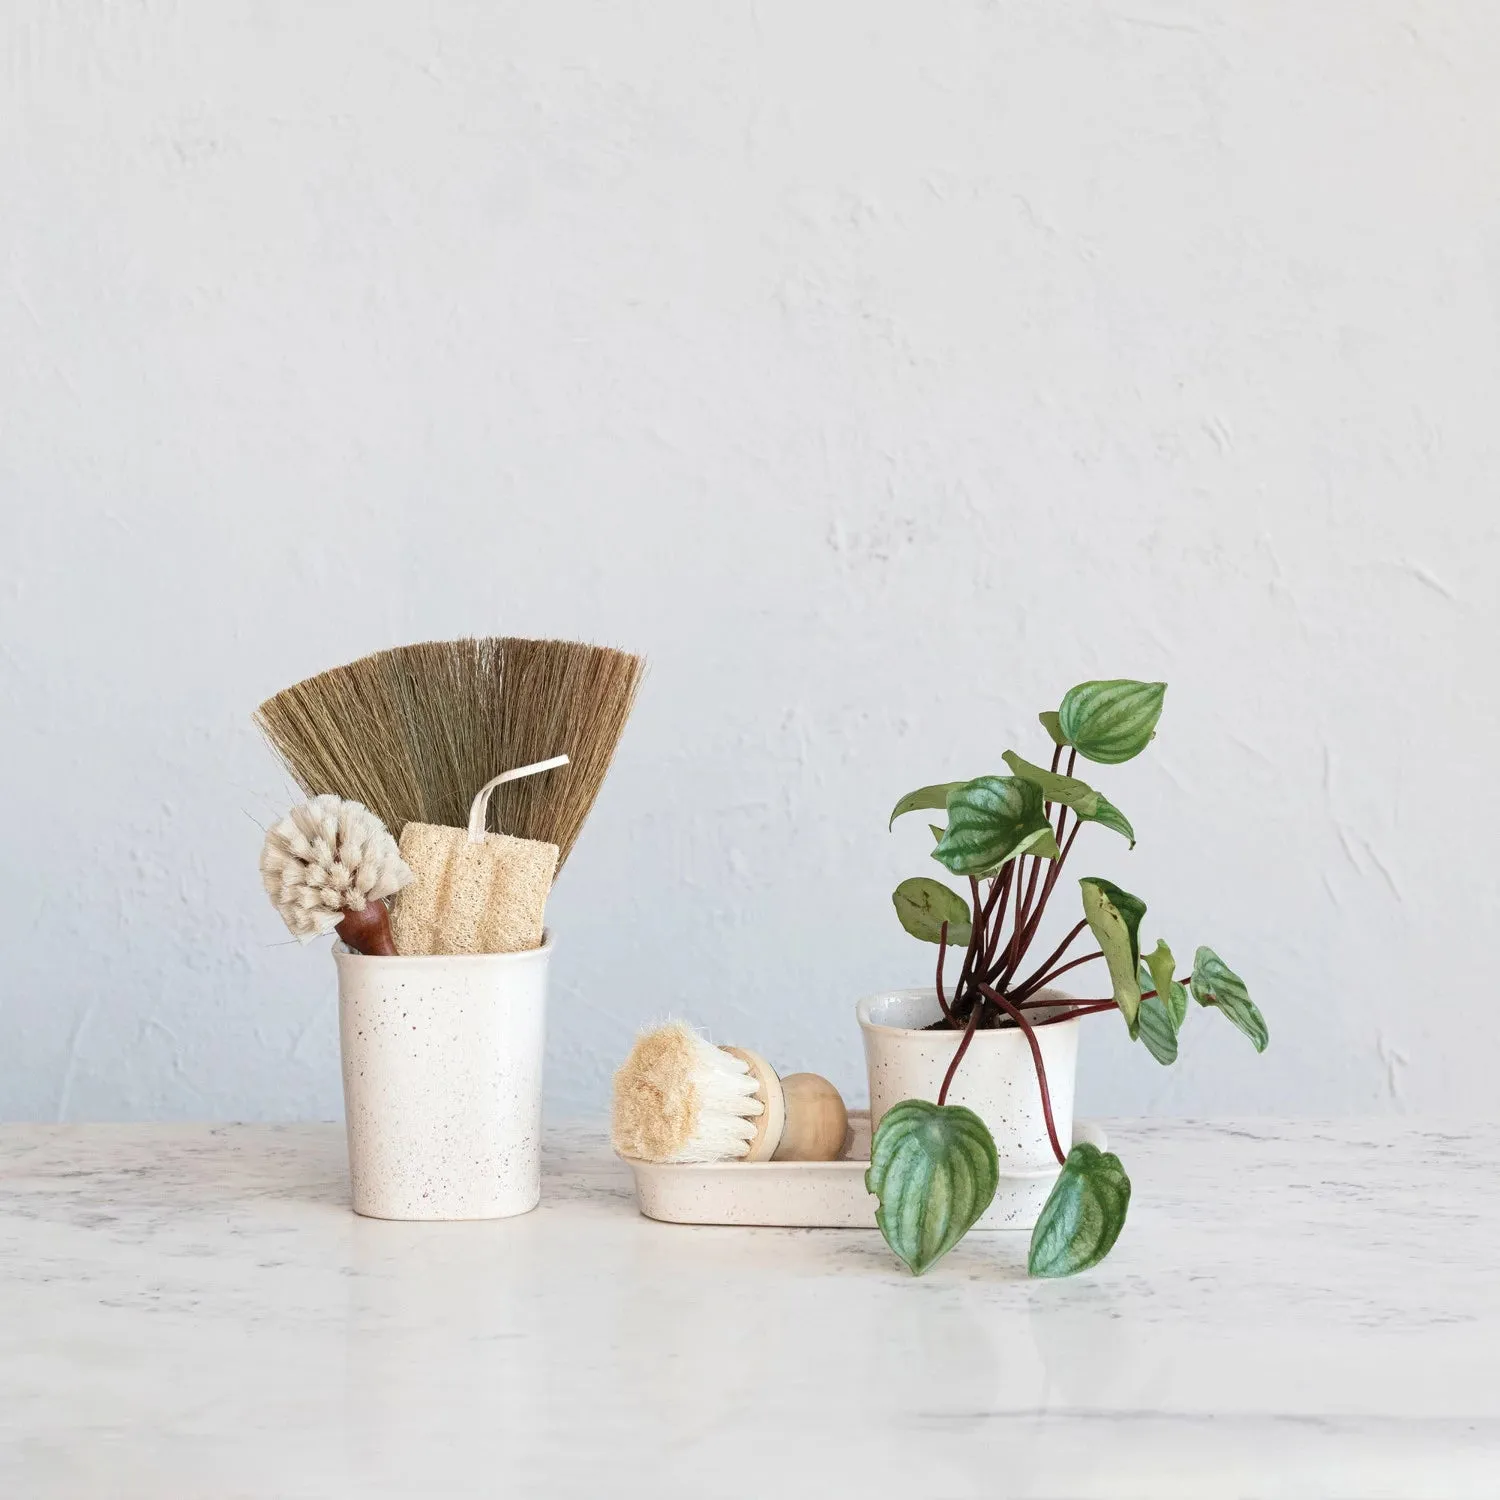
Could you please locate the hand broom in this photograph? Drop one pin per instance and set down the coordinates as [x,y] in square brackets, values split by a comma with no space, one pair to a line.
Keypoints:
[414,732]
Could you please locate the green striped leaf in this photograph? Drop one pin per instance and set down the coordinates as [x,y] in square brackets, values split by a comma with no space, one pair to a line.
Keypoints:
[1112,721]
[934,1169]
[1114,917]
[923,905]
[1176,999]
[1157,1032]
[1215,983]
[1162,966]
[1163,1013]
[1084,1215]
[924,796]
[1072,793]
[993,819]
[1045,846]
[1177,1005]
[1110,816]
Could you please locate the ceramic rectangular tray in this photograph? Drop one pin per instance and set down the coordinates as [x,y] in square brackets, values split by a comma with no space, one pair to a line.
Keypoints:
[815,1194]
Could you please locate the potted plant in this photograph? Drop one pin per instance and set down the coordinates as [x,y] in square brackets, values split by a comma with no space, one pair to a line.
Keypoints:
[999,1024]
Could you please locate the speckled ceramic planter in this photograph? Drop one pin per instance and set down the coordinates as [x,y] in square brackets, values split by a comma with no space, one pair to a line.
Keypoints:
[442,1062]
[996,1079]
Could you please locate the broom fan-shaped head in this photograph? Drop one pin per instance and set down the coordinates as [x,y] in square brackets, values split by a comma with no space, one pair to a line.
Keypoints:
[414,732]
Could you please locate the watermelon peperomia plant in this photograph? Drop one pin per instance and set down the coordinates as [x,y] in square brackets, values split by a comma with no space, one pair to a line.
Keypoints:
[933,1166]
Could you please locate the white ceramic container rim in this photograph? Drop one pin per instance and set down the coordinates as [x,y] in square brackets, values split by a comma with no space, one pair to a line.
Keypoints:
[990,1036]
[415,962]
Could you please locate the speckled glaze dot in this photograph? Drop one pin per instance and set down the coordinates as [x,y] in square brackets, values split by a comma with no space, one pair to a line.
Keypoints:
[442,1061]
[996,1079]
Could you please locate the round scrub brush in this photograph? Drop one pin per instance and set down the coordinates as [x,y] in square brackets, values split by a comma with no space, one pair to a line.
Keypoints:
[328,865]
[678,1098]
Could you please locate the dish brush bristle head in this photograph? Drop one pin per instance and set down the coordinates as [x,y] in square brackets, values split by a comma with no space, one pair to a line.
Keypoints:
[678,1098]
[325,858]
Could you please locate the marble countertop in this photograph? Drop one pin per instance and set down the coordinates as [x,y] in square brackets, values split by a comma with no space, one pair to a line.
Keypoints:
[1293,1310]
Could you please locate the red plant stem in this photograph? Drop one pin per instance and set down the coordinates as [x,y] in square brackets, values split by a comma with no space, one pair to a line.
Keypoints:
[1083,1005]
[1031,988]
[979,926]
[1065,848]
[1062,948]
[1071,1007]
[1026,926]
[976,928]
[1062,816]
[997,885]
[1057,834]
[994,919]
[942,950]
[999,899]
[958,1054]
[989,952]
[1035,918]
[996,967]
[994,972]
[1056,756]
[1036,1057]
[1036,869]
[1145,995]
[1071,1010]
[1072,760]
[1034,909]
[1004,881]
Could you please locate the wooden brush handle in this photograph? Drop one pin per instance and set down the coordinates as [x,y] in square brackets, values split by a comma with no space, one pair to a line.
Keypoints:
[804,1117]
[816,1120]
[368,931]
[771,1121]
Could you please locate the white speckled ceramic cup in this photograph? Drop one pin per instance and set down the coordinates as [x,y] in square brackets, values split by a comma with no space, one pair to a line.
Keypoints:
[442,1062]
[996,1079]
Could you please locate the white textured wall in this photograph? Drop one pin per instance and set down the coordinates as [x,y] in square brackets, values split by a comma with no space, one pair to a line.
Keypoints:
[879,370]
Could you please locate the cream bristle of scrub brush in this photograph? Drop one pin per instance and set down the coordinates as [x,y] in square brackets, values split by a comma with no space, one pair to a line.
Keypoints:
[328,867]
[475,892]
[678,1098]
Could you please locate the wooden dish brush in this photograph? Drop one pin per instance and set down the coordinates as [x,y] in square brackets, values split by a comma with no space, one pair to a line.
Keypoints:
[413,732]
[328,867]
[678,1098]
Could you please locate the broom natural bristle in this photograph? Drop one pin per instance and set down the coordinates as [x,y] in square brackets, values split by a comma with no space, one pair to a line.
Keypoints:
[413,733]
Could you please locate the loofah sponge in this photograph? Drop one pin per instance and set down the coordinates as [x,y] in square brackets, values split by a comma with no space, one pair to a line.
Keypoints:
[489,897]
[328,858]
[476,892]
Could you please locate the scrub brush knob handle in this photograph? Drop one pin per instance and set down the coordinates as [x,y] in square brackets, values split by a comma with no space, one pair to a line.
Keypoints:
[804,1118]
[816,1121]
[368,931]
[771,1121]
